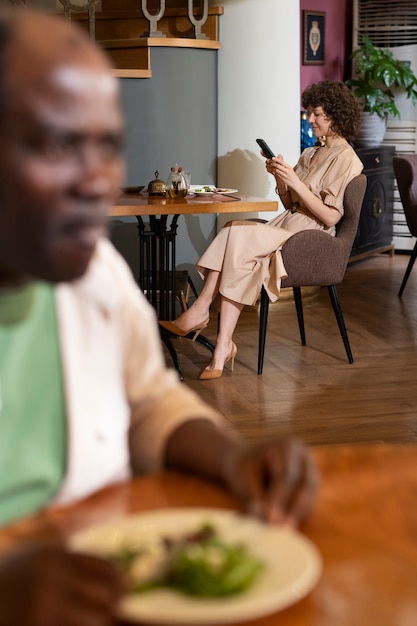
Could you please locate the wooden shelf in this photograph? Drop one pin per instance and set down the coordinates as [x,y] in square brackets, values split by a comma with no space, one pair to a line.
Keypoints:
[160,42]
[132,73]
[119,33]
[132,57]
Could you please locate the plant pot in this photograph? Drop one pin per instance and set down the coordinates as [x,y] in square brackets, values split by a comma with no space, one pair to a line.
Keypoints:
[372,131]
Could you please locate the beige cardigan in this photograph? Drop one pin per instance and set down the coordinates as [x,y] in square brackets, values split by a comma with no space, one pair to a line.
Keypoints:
[114,375]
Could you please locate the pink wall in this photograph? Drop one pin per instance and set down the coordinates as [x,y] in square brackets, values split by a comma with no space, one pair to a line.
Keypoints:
[334,42]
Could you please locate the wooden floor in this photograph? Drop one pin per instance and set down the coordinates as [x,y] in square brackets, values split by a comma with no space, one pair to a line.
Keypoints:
[312,391]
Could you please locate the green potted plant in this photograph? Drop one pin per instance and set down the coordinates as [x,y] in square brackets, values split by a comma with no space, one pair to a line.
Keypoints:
[376,73]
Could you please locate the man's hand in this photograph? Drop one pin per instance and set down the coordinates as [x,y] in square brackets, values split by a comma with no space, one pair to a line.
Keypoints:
[276,479]
[51,587]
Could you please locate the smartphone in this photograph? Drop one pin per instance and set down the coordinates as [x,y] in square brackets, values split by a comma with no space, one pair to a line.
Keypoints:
[265,148]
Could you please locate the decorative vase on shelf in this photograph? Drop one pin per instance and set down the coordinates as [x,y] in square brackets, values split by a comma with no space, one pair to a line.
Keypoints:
[307,138]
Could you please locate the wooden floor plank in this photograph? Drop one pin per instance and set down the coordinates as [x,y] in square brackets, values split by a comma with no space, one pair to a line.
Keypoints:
[312,391]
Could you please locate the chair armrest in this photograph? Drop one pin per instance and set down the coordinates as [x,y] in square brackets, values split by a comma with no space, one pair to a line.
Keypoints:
[314,258]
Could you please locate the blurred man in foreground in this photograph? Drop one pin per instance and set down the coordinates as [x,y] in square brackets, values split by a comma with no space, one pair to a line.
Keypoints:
[85,397]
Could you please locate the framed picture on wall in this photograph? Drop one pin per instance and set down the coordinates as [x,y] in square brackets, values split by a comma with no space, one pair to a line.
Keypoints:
[313,37]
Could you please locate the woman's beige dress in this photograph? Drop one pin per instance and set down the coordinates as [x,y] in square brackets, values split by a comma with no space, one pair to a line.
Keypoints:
[248,254]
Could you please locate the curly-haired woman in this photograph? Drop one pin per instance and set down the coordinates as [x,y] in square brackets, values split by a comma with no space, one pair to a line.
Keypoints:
[246,255]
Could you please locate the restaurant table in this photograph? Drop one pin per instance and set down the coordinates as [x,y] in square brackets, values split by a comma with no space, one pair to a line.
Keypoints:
[364,524]
[157,239]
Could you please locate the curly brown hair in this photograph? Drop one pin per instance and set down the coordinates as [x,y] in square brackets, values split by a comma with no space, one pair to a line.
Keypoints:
[339,103]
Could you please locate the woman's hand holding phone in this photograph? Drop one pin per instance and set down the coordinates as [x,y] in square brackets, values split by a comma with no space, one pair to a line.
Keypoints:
[265,148]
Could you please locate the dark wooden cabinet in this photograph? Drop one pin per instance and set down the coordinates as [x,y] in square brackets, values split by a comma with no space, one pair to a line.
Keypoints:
[375,232]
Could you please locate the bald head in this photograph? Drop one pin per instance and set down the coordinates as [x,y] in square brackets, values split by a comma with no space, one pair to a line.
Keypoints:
[60,163]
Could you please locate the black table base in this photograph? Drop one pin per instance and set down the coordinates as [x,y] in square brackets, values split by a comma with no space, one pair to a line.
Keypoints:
[157,276]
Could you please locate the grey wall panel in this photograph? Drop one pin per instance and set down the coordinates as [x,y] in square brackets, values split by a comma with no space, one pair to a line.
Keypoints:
[172,118]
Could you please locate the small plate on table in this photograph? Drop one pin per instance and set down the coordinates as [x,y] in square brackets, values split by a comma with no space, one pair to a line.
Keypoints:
[292,565]
[203,190]
[208,190]
[133,189]
[226,190]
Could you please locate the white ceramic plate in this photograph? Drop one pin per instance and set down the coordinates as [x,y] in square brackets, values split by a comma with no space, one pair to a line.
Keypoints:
[203,190]
[134,189]
[226,190]
[292,566]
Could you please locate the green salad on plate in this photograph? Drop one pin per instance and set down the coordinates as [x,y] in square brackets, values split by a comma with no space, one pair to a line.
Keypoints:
[198,564]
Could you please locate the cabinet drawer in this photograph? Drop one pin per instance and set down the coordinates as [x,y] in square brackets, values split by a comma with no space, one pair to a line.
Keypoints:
[376,159]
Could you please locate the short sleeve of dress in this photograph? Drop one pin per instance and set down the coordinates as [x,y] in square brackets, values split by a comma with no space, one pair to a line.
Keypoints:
[328,177]
[339,173]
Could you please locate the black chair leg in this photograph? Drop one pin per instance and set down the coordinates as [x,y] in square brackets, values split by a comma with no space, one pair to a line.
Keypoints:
[192,287]
[340,320]
[174,356]
[263,321]
[408,270]
[204,342]
[300,315]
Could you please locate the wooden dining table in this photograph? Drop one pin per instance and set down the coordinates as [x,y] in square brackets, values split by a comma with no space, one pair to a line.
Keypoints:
[144,204]
[157,234]
[364,524]
[157,242]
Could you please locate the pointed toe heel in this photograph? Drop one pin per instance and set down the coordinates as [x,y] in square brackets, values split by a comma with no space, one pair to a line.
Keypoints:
[208,374]
[174,329]
[211,374]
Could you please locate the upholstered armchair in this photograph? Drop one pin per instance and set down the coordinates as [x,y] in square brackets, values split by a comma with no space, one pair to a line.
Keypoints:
[405,170]
[315,258]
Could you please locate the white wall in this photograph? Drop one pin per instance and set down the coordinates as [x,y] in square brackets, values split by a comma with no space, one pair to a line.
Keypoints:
[259,90]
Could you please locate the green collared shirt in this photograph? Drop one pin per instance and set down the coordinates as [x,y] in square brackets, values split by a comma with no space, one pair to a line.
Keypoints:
[32,406]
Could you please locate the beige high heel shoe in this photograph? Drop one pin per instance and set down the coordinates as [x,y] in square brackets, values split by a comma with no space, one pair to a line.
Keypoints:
[176,330]
[210,374]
